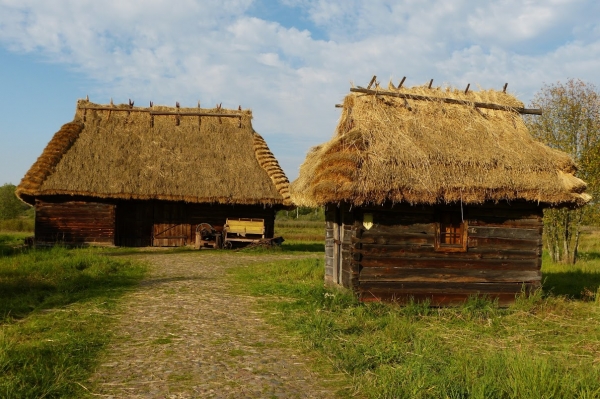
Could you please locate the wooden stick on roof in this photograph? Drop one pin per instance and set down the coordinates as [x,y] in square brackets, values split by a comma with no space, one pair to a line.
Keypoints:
[402,82]
[528,111]
[372,81]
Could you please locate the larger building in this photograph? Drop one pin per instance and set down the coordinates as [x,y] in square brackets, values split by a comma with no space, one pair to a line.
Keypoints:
[435,194]
[132,176]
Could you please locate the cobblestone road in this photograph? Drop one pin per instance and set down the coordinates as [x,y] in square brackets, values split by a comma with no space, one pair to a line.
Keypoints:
[184,334]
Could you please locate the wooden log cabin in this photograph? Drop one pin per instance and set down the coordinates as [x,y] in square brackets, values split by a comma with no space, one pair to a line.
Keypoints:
[435,194]
[132,176]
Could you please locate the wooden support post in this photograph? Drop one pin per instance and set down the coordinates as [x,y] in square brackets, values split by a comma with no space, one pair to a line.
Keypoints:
[402,82]
[240,119]
[151,116]
[372,81]
[112,105]
[199,118]
[177,120]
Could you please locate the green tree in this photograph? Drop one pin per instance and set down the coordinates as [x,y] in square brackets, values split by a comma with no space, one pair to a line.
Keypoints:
[10,206]
[571,123]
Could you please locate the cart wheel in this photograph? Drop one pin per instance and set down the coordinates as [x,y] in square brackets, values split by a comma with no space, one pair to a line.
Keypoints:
[227,245]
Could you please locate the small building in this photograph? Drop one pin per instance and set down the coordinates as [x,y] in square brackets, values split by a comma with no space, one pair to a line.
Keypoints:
[435,194]
[133,176]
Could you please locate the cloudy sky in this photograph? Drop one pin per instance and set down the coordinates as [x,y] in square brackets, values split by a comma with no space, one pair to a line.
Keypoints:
[289,61]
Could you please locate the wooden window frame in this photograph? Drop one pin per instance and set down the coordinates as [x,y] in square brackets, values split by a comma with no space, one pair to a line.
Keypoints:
[443,247]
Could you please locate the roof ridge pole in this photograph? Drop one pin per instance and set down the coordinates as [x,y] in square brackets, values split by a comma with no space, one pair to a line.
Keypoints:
[430,83]
[505,86]
[467,89]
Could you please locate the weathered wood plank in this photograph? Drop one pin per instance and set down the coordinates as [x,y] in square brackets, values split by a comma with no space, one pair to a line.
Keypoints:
[403,251]
[436,287]
[502,232]
[393,239]
[503,264]
[401,274]
[401,229]
[502,243]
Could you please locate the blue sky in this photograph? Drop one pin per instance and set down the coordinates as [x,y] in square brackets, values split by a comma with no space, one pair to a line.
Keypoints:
[289,61]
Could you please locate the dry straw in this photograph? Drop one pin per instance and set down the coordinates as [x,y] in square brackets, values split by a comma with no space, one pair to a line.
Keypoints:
[427,152]
[137,155]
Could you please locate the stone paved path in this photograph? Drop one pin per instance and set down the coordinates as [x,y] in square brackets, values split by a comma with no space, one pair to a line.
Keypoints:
[184,334]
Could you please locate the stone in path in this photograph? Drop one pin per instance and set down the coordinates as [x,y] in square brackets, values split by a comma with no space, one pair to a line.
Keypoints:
[184,334]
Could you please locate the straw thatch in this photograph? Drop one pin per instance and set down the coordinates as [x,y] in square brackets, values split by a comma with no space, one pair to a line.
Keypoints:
[427,152]
[136,155]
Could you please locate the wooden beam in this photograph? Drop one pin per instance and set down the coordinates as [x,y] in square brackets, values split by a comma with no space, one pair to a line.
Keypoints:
[402,82]
[528,111]
[153,112]
[505,86]
[372,81]
[430,83]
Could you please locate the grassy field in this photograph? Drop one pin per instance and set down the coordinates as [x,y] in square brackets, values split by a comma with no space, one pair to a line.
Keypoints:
[300,230]
[55,310]
[56,305]
[544,346]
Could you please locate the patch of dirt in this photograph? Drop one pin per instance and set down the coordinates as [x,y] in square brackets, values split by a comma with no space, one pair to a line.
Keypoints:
[184,333]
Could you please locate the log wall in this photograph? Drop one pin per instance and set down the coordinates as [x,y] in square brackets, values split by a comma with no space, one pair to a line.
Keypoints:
[160,223]
[396,258]
[134,223]
[74,223]
[340,229]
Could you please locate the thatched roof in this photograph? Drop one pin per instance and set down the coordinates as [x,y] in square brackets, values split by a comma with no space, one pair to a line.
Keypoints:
[144,155]
[430,151]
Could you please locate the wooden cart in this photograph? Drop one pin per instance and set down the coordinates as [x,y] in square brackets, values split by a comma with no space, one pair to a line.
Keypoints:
[243,231]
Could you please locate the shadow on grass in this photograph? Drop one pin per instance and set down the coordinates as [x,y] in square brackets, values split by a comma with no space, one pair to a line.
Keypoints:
[589,256]
[45,279]
[571,283]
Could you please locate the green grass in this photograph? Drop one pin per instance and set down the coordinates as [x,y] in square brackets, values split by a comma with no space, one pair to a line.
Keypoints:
[20,224]
[300,230]
[541,347]
[55,310]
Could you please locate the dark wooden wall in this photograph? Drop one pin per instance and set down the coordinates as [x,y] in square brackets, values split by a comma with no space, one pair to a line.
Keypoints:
[74,222]
[160,223]
[134,223]
[340,230]
[396,259]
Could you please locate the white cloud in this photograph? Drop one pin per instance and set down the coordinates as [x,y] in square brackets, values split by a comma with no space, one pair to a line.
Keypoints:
[213,51]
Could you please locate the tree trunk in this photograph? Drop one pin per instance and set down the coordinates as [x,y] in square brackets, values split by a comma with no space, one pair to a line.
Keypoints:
[576,246]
